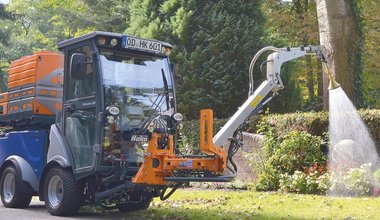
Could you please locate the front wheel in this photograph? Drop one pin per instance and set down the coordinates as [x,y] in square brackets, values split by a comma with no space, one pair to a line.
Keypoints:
[61,192]
[10,186]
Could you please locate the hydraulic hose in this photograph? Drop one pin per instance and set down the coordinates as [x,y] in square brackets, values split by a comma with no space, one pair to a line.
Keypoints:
[254,59]
[165,197]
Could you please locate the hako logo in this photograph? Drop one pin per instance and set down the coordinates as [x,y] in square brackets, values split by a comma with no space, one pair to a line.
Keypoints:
[140,138]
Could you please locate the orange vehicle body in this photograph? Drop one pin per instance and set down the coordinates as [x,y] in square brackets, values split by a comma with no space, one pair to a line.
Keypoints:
[34,85]
[161,163]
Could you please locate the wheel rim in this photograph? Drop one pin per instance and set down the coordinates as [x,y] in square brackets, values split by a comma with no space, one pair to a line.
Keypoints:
[9,187]
[55,191]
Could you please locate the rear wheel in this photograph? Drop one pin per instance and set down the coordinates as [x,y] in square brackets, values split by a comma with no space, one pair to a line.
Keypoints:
[130,207]
[10,186]
[61,192]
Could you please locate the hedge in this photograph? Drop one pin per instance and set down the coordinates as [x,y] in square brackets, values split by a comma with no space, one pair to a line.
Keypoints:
[315,123]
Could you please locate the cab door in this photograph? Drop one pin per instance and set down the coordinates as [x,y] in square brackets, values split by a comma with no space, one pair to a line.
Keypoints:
[80,110]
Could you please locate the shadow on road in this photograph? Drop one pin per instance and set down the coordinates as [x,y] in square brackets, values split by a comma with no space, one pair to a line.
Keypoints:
[37,210]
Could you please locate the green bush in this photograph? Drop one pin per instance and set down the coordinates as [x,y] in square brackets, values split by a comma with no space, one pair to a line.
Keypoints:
[268,179]
[323,183]
[292,144]
[355,182]
[377,176]
[300,182]
[293,162]
[297,151]
[189,135]
[314,123]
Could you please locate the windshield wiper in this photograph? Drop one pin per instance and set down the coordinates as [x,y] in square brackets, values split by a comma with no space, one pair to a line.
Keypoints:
[166,87]
[145,123]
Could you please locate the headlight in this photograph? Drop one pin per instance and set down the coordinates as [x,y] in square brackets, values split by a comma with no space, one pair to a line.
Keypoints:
[113,42]
[166,50]
[178,117]
[113,110]
[102,40]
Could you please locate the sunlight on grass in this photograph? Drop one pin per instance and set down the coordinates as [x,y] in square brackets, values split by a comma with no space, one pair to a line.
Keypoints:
[218,204]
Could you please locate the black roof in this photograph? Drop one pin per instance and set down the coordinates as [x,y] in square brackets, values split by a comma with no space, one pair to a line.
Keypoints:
[90,35]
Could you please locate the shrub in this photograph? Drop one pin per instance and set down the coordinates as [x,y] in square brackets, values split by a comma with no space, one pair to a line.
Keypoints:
[293,183]
[314,123]
[292,144]
[358,181]
[297,152]
[293,162]
[300,182]
[354,182]
[323,183]
[268,179]
[376,176]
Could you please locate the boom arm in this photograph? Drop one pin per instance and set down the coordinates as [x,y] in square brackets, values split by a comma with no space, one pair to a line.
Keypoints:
[272,83]
[162,165]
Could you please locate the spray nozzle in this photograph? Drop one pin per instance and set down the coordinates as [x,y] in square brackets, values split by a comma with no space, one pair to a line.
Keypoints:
[333,84]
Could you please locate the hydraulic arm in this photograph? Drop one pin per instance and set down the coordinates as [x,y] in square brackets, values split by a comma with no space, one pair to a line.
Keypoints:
[273,83]
[162,165]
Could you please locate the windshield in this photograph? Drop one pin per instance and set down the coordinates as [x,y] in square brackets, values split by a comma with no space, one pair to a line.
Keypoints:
[138,87]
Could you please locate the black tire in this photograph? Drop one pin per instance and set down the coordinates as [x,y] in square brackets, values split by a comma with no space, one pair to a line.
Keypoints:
[61,192]
[10,187]
[132,207]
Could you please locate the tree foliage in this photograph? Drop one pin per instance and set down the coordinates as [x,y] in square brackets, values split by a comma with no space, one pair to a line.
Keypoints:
[371,81]
[293,24]
[4,36]
[40,25]
[214,42]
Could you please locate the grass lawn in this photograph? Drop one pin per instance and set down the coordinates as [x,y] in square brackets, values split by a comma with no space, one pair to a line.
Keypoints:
[219,204]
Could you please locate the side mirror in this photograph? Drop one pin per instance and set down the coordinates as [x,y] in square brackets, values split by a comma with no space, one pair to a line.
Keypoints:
[78,66]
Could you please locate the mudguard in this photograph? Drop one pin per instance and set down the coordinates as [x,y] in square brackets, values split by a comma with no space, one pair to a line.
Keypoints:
[26,170]
[58,148]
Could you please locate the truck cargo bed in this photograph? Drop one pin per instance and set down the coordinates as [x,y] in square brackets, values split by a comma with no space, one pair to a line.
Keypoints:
[34,93]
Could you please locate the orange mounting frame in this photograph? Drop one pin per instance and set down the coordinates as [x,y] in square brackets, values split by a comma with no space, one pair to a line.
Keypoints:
[160,163]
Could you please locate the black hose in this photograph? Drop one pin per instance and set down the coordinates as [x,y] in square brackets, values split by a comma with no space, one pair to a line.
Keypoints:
[165,197]
[102,195]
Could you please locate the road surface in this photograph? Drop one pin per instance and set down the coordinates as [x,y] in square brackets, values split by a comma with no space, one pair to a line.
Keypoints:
[38,211]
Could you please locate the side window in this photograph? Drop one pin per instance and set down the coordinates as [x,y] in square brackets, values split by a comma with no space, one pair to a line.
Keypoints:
[85,87]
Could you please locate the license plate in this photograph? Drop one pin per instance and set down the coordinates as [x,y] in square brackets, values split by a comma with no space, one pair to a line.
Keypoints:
[141,44]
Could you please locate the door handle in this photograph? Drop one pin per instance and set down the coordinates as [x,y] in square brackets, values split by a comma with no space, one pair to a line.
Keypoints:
[69,107]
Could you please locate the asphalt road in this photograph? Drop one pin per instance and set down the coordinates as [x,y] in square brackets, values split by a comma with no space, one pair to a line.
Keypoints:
[38,211]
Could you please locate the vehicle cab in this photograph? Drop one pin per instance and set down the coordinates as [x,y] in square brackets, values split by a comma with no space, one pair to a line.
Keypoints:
[115,88]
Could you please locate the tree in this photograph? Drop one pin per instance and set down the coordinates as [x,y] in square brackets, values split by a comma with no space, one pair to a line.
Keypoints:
[341,33]
[45,23]
[4,40]
[40,25]
[294,24]
[4,15]
[371,80]
[214,42]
